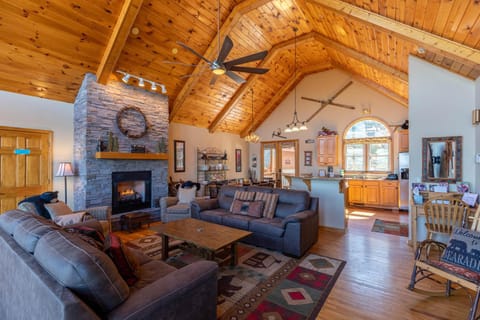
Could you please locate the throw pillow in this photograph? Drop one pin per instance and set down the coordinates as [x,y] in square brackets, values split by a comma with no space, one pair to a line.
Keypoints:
[270,200]
[186,195]
[249,208]
[242,195]
[113,247]
[57,209]
[67,219]
[463,249]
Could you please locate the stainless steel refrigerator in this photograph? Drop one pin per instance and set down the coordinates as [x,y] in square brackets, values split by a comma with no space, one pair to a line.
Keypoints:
[403,167]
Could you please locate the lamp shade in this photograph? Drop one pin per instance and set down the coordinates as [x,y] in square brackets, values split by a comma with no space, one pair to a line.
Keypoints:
[64,169]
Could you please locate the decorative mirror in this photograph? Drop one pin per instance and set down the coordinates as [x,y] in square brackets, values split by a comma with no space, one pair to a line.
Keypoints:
[132,122]
[442,159]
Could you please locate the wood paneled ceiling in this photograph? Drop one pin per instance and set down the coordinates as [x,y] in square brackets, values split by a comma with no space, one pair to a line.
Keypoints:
[48,45]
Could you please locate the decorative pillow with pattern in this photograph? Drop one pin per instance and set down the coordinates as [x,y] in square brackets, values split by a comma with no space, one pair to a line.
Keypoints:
[244,196]
[114,249]
[463,249]
[67,219]
[249,208]
[270,200]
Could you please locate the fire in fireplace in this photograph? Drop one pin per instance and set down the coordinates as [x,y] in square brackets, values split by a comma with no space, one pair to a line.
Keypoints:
[131,190]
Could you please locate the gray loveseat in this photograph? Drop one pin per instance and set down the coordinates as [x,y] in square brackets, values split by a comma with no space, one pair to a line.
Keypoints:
[292,230]
[48,273]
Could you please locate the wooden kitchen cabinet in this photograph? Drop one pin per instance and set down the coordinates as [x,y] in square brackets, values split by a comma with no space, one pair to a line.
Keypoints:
[403,141]
[327,150]
[363,192]
[373,193]
[389,193]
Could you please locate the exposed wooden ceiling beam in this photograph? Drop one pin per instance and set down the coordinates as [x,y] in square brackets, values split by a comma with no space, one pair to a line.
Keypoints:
[330,44]
[117,41]
[229,24]
[377,87]
[283,92]
[434,43]
[246,86]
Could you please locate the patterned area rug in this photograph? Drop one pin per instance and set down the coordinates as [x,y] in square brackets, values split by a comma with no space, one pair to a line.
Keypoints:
[390,227]
[265,284]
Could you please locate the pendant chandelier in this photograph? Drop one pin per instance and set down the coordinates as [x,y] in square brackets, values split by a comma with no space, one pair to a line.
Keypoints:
[252,136]
[295,125]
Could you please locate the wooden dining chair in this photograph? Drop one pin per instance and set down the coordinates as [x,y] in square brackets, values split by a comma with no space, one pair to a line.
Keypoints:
[443,214]
[429,265]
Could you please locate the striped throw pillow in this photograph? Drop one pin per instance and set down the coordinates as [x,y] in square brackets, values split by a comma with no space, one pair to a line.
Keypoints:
[242,195]
[270,200]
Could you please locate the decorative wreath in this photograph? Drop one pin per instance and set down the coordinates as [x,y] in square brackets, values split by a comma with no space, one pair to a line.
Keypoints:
[132,122]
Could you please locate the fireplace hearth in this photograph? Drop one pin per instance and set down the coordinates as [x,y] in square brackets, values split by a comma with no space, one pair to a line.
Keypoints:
[131,190]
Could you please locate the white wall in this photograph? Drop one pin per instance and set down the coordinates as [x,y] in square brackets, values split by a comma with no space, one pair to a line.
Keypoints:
[477,134]
[322,86]
[22,111]
[199,138]
[441,104]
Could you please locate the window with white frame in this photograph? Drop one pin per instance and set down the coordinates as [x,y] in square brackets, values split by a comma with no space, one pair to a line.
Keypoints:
[367,147]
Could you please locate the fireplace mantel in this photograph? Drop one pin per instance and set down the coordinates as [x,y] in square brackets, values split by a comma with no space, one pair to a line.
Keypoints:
[131,156]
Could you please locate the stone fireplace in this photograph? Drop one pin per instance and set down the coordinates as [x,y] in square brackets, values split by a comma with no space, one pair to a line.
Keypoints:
[131,190]
[95,110]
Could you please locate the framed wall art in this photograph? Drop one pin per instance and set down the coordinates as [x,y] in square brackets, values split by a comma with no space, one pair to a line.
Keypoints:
[238,160]
[307,158]
[179,155]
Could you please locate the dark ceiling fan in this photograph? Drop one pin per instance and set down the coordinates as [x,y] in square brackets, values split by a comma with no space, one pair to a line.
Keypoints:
[219,66]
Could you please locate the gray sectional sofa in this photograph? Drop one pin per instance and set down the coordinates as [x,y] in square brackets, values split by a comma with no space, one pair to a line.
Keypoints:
[292,230]
[48,273]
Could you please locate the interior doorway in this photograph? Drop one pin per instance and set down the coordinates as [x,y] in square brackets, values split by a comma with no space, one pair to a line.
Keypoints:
[25,164]
[279,158]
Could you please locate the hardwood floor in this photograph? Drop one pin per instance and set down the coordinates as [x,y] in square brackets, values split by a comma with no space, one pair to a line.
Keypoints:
[373,284]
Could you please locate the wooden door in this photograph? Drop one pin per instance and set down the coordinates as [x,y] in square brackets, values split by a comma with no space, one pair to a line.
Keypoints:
[279,158]
[327,150]
[389,194]
[371,192]
[25,164]
[403,141]
[355,191]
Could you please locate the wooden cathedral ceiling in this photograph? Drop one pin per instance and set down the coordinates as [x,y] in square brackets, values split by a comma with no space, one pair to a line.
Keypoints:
[48,46]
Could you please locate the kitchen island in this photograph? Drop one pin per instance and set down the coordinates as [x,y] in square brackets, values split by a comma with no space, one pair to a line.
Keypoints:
[331,198]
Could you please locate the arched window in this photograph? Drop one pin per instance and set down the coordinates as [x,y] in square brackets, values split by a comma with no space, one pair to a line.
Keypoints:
[367,146]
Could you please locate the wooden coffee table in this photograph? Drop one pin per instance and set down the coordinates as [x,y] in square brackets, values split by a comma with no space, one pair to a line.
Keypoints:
[209,236]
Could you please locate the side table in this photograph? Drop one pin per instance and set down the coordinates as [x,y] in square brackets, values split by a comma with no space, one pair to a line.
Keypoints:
[134,220]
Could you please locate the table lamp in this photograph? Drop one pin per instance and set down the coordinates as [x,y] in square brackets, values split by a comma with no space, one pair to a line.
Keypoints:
[65,170]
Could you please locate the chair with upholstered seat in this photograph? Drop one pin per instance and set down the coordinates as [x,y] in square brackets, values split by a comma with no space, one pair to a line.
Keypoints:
[179,207]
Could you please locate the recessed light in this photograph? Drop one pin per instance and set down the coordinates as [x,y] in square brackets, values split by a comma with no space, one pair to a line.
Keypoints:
[174,50]
[135,31]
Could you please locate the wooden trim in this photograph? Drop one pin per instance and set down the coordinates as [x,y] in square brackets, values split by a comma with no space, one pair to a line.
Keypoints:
[131,156]
[118,39]
[434,43]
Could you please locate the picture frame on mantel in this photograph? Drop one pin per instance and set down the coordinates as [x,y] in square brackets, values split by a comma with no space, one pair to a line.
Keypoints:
[179,155]
[238,160]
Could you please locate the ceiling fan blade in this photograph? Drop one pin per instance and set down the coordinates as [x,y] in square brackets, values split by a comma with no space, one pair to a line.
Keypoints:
[183,45]
[226,48]
[179,63]
[213,80]
[253,57]
[235,77]
[248,69]
[342,105]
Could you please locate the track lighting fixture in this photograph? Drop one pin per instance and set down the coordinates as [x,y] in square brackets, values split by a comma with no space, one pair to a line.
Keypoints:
[141,81]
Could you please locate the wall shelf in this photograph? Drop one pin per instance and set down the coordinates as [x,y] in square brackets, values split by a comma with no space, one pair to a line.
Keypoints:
[131,156]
